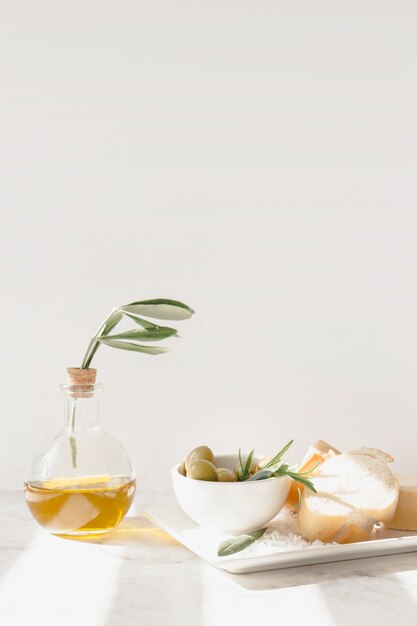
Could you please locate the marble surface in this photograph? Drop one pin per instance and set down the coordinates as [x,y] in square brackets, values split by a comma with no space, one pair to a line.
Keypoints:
[138,576]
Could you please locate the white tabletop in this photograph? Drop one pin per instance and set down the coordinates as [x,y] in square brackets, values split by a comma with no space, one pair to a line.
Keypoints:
[139,576]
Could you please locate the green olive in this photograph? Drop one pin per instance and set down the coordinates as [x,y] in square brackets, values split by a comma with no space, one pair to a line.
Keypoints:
[181,470]
[226,475]
[202,452]
[201,469]
[252,469]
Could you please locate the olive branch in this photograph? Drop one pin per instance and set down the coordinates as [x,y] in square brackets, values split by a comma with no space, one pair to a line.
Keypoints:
[160,309]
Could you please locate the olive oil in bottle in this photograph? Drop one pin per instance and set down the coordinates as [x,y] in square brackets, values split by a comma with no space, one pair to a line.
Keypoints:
[83,506]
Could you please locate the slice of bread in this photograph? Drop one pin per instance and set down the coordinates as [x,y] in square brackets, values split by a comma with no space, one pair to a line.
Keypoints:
[405,517]
[354,491]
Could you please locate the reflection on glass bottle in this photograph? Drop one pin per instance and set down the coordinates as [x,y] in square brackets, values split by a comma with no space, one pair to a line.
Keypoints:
[82,482]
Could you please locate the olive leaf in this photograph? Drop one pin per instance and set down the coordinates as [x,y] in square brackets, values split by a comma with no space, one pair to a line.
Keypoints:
[153,334]
[239,543]
[134,347]
[140,321]
[261,475]
[160,309]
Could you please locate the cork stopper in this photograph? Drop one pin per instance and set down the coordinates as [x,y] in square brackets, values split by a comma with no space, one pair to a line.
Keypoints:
[82,381]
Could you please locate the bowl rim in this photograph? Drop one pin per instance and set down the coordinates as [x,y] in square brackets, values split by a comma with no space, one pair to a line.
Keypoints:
[271,479]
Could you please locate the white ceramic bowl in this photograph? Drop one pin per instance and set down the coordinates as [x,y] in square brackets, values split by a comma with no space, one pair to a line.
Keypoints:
[232,507]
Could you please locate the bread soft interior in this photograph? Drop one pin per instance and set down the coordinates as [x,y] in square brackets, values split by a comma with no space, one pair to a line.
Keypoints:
[354,491]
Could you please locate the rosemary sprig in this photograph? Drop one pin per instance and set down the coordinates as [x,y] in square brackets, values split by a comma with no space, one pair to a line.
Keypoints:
[278,456]
[278,467]
[244,469]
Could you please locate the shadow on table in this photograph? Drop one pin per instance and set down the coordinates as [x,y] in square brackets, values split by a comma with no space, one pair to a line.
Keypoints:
[162,581]
[17,529]
[380,566]
[159,579]
[353,592]
[130,531]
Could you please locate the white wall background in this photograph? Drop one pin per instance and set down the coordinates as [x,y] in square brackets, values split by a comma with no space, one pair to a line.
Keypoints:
[254,159]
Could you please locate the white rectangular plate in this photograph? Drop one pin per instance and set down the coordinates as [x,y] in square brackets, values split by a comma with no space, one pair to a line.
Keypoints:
[203,543]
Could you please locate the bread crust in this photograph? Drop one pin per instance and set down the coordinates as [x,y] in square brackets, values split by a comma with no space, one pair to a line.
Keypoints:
[405,517]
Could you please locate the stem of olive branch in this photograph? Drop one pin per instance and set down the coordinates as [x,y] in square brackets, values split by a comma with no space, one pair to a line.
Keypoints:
[73,443]
[94,344]
[91,350]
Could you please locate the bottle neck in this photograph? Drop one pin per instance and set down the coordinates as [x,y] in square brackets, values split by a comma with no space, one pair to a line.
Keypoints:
[82,411]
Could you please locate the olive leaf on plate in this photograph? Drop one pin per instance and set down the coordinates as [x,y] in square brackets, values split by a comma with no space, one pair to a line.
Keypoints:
[239,543]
